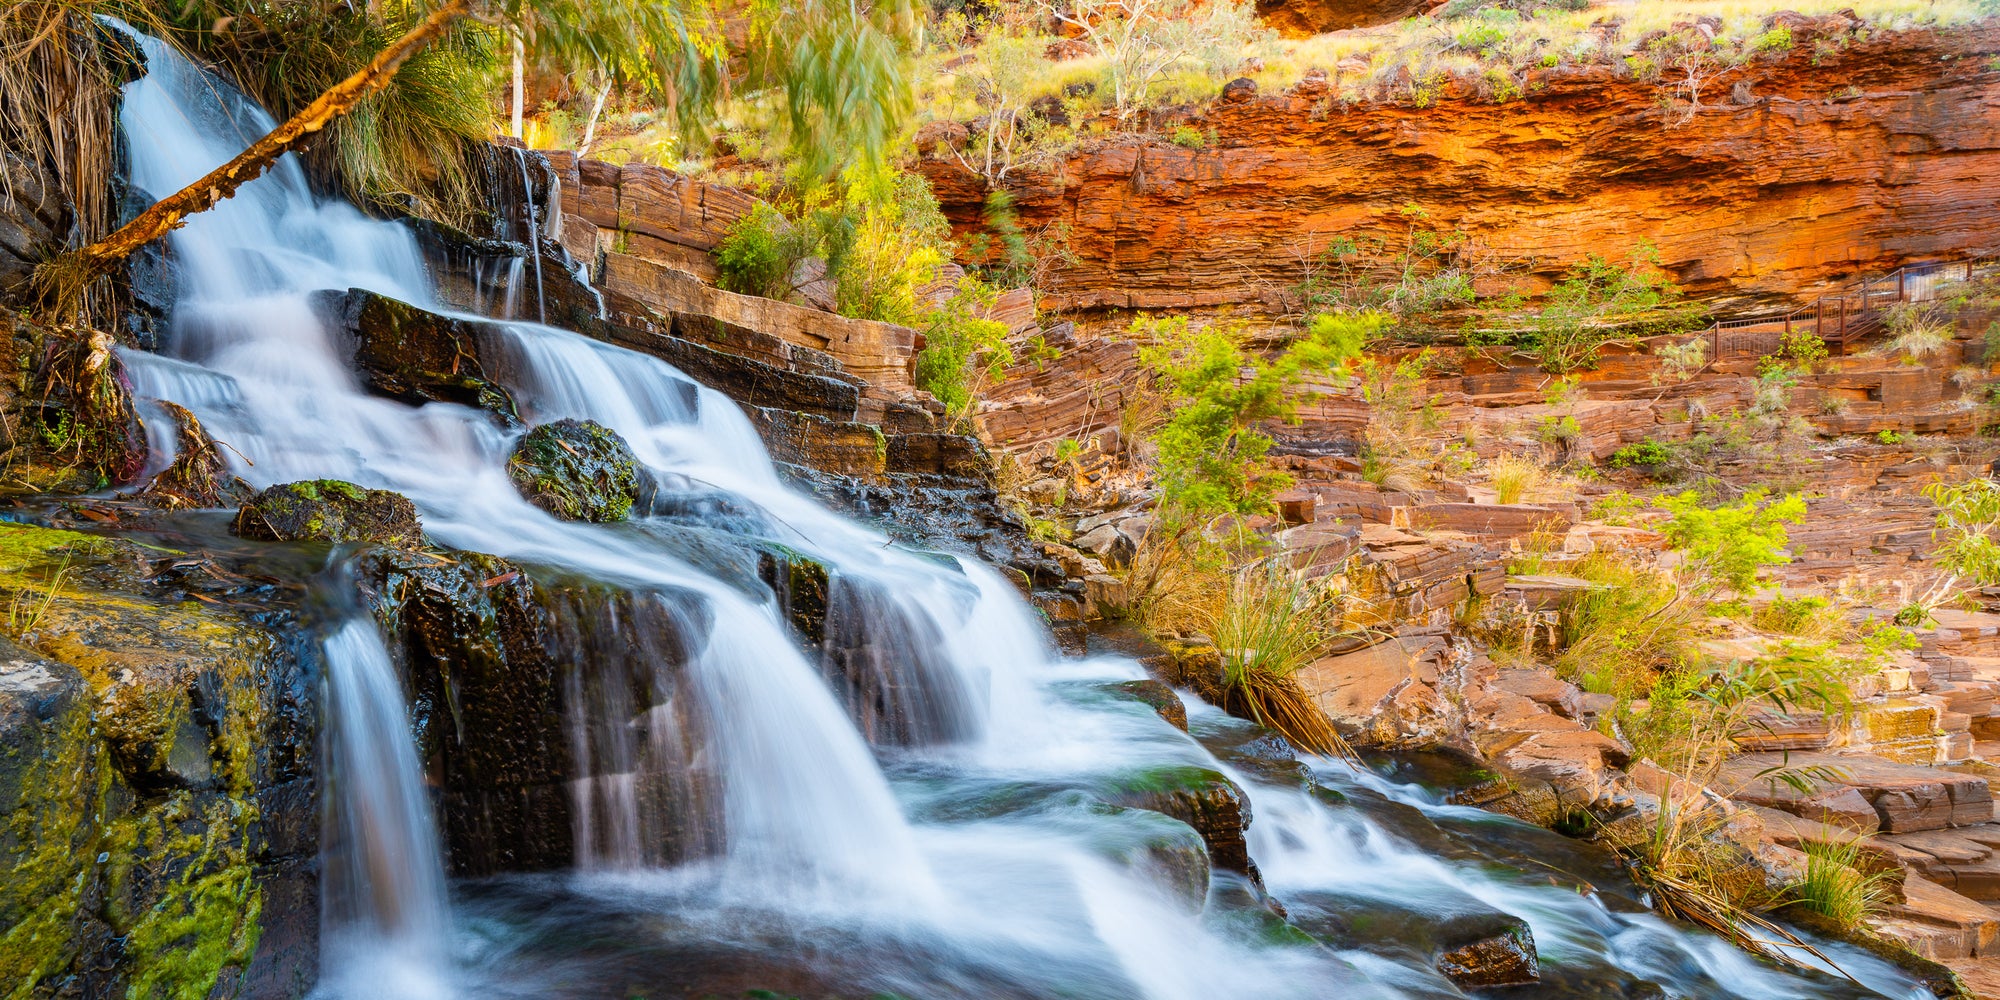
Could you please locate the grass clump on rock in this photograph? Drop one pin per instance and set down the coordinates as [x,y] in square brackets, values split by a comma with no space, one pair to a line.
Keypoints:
[329,510]
[577,470]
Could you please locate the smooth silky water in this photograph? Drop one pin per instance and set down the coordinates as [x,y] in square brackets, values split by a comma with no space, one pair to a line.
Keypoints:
[971,861]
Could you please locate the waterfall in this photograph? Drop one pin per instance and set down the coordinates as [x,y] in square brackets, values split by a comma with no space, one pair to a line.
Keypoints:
[952,845]
[384,921]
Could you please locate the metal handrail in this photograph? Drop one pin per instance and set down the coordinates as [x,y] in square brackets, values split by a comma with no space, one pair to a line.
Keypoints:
[1856,311]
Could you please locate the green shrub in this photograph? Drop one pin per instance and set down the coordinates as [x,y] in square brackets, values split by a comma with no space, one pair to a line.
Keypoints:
[964,352]
[1642,453]
[1189,137]
[1211,454]
[1808,617]
[1887,436]
[1600,300]
[1800,350]
[888,242]
[1731,543]
[759,253]
[1838,886]
[1775,40]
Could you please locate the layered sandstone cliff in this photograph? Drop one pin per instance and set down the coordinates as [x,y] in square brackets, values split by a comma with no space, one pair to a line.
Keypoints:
[1803,176]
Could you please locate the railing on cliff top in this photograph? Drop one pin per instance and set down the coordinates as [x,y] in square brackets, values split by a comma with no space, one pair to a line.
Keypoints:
[1843,318]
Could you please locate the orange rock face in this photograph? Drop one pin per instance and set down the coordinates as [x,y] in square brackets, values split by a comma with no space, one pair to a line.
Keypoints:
[1804,176]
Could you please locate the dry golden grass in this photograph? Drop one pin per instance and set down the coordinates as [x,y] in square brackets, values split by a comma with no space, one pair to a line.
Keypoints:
[1514,479]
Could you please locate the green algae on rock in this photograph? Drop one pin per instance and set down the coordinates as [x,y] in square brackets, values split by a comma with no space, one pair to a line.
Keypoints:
[578,470]
[136,740]
[328,510]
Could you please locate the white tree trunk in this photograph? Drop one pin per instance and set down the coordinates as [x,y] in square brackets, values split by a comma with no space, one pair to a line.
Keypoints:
[519,97]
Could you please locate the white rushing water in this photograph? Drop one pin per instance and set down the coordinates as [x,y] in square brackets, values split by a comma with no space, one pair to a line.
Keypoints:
[945,888]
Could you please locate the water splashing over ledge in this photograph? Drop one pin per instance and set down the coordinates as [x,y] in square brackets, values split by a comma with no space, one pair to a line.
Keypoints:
[966,841]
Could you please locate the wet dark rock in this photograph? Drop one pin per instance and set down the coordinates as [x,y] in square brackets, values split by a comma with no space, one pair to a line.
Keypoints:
[801,585]
[887,663]
[1158,697]
[578,470]
[482,275]
[416,356]
[1196,665]
[1506,958]
[1239,90]
[198,476]
[523,684]
[1469,942]
[142,737]
[924,514]
[951,459]
[836,447]
[329,510]
[1204,799]
[34,220]
[751,383]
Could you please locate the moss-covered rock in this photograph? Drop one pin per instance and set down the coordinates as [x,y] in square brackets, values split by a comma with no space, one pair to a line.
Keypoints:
[141,737]
[328,510]
[407,353]
[577,470]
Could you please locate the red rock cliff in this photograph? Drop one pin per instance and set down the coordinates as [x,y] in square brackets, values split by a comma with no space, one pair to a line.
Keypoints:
[1885,153]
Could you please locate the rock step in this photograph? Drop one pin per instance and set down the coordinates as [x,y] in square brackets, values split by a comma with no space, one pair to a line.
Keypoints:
[1961,860]
[1862,793]
[1939,924]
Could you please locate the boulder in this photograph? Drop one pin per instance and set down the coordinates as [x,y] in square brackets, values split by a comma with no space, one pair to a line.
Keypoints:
[577,470]
[1204,799]
[407,353]
[329,510]
[1862,792]
[1503,959]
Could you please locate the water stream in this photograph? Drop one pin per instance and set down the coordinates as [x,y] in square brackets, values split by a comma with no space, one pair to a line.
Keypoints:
[968,853]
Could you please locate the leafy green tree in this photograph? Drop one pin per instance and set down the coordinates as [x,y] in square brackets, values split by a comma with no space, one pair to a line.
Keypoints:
[1211,452]
[1732,543]
[964,352]
[1967,552]
[1596,302]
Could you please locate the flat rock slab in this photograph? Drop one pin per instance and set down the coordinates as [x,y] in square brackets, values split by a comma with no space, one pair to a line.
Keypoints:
[1962,860]
[1904,798]
[1938,923]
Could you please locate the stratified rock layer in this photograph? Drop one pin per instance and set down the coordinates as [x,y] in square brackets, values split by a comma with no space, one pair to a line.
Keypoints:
[1887,151]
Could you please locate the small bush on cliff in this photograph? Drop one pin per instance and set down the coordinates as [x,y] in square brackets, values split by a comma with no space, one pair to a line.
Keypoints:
[889,244]
[1731,543]
[1600,301]
[1211,452]
[1416,276]
[964,352]
[760,253]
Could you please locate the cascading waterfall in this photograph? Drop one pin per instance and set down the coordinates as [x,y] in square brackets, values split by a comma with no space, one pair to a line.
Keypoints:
[958,857]
[385,923]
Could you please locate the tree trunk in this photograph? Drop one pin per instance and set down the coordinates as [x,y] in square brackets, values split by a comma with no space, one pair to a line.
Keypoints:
[73,271]
[520,99]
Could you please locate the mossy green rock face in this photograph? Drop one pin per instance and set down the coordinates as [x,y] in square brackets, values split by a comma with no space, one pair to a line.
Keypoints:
[577,470]
[145,742]
[328,510]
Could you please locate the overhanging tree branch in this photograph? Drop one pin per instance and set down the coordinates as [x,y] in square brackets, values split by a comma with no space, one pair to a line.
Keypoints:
[72,271]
